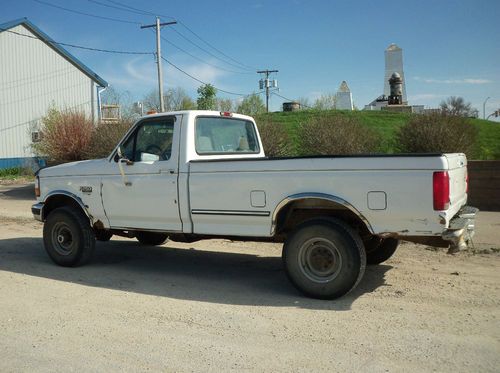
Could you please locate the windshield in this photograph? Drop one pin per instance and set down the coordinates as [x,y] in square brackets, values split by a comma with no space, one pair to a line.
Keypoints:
[215,135]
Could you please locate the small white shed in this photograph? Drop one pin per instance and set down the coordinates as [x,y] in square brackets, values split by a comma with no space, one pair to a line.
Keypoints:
[35,74]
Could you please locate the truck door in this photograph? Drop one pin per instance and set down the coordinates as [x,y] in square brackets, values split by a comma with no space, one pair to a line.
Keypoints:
[143,194]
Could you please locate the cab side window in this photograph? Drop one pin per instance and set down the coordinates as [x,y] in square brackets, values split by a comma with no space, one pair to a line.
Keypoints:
[151,141]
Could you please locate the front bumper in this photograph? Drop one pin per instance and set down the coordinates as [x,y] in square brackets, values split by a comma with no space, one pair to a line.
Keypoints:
[461,229]
[37,210]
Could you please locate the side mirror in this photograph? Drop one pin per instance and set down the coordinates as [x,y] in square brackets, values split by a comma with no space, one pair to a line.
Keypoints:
[120,158]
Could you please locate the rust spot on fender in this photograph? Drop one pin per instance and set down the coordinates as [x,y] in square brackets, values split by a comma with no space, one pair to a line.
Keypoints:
[98,225]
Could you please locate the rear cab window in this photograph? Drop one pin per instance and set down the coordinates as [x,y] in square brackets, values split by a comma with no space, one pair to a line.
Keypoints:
[219,135]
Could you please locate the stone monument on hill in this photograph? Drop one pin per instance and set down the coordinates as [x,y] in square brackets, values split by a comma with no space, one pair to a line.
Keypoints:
[344,97]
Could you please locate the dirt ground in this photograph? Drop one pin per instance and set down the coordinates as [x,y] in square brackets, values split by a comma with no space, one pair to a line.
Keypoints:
[219,305]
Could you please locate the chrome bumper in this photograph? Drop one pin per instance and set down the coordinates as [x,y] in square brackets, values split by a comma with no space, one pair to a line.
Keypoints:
[37,210]
[461,229]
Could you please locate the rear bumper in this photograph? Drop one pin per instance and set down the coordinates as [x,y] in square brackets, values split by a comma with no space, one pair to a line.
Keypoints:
[37,210]
[461,229]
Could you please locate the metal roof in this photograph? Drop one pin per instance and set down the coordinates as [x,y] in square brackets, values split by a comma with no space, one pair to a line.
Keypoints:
[53,44]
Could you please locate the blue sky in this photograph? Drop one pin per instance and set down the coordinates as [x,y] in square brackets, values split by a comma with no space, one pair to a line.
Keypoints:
[450,47]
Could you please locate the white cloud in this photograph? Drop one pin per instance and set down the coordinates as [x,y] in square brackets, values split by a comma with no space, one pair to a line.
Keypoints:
[453,81]
[140,75]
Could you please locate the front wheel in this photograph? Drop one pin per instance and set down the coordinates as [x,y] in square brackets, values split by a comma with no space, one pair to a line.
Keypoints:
[68,238]
[151,238]
[324,259]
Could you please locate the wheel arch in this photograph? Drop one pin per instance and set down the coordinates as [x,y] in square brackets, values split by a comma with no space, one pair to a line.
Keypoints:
[60,198]
[315,205]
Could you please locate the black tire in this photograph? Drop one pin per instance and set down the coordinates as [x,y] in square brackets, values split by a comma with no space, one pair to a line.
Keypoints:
[378,250]
[68,238]
[151,238]
[103,235]
[324,259]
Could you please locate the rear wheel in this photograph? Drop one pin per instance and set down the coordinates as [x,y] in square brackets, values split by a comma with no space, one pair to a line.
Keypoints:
[378,250]
[324,259]
[68,238]
[151,238]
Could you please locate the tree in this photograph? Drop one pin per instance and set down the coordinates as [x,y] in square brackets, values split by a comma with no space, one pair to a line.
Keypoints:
[188,104]
[252,105]
[174,99]
[112,96]
[224,104]
[326,102]
[207,99]
[457,106]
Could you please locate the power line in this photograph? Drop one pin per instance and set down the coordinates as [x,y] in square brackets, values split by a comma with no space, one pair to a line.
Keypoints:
[127,8]
[77,46]
[117,7]
[200,59]
[218,50]
[86,14]
[145,12]
[201,81]
[205,50]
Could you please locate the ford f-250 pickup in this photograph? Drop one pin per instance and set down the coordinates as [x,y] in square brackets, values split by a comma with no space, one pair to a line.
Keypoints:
[193,175]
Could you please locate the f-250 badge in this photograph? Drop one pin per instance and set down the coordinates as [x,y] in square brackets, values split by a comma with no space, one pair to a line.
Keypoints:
[86,189]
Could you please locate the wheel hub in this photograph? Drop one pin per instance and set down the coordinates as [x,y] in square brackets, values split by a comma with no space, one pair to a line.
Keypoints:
[320,260]
[62,238]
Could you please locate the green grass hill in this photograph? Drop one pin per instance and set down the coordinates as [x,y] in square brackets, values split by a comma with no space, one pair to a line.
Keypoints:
[387,124]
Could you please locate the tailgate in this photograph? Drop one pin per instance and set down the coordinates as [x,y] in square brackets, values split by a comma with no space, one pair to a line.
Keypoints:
[457,170]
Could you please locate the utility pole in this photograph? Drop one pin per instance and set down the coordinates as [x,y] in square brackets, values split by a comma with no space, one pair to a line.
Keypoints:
[484,107]
[267,84]
[158,25]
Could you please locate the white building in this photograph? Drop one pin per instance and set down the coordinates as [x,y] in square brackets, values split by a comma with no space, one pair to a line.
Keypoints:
[35,74]
[344,97]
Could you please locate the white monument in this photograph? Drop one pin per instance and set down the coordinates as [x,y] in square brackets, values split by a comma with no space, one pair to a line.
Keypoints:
[344,97]
[394,64]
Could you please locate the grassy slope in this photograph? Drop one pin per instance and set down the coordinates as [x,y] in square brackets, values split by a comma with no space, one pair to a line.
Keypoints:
[387,124]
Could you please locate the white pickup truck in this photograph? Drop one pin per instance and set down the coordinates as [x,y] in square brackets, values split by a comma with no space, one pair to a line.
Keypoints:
[193,175]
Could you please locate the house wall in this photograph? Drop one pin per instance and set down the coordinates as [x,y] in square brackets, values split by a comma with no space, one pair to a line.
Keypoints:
[33,76]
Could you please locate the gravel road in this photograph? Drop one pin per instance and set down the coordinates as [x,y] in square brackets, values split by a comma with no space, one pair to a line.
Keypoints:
[219,305]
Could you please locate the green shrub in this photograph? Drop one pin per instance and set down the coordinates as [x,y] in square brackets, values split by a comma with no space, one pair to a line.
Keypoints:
[105,137]
[336,134]
[275,139]
[437,133]
[70,136]
[65,136]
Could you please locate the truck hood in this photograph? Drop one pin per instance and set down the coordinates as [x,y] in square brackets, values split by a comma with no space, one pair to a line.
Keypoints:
[80,168]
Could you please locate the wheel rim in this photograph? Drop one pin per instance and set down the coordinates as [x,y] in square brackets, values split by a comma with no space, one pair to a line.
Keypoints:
[63,239]
[320,260]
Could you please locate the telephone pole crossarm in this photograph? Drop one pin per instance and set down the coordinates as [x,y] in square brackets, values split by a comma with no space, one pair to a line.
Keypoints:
[158,26]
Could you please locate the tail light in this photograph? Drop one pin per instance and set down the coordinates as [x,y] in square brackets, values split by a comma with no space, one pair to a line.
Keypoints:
[226,114]
[466,181]
[441,190]
[37,186]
